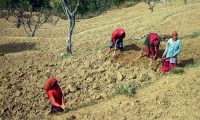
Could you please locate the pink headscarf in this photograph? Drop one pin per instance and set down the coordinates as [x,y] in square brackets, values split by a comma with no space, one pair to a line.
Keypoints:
[49,84]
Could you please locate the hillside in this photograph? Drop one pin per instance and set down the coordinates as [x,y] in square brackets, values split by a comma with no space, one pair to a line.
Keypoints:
[173,97]
[27,62]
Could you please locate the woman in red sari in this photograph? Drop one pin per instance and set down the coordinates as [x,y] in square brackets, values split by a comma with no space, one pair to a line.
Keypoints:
[55,95]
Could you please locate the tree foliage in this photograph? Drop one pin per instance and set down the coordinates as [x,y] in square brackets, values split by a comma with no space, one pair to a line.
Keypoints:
[86,6]
[89,6]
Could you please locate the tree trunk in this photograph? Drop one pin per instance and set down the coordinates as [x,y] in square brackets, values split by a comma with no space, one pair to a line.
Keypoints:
[71,21]
[71,24]
[69,41]
[33,33]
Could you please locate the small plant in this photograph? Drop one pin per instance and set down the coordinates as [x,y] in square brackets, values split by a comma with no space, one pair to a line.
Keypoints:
[193,35]
[177,70]
[82,105]
[193,65]
[130,3]
[49,75]
[63,55]
[128,89]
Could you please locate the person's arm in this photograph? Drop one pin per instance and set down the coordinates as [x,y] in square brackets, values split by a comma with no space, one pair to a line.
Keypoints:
[157,50]
[63,101]
[166,49]
[63,104]
[116,41]
[110,45]
[179,49]
[53,101]
[151,48]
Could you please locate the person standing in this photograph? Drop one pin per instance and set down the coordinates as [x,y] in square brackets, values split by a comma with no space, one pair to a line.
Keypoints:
[173,48]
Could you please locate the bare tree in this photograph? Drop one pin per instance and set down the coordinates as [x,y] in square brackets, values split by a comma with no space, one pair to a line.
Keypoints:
[54,20]
[5,13]
[19,17]
[70,14]
[6,10]
[22,10]
[151,4]
[31,22]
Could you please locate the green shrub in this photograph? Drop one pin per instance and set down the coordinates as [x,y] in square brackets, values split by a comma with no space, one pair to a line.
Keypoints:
[117,2]
[58,10]
[195,34]
[127,89]
[177,70]
[193,65]
[129,4]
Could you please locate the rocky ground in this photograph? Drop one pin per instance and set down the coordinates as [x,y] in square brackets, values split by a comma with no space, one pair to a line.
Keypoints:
[89,76]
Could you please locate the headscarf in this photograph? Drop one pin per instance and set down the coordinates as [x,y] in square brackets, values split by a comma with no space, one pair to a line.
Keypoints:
[49,84]
[154,39]
[122,33]
[118,33]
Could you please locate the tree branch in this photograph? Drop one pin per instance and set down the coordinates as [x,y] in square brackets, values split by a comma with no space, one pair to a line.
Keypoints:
[66,9]
[77,5]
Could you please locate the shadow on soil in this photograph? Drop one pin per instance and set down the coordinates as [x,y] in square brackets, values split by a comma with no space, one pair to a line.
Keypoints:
[131,47]
[184,63]
[160,53]
[16,47]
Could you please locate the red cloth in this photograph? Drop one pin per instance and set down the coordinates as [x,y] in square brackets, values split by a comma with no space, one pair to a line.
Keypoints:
[145,50]
[172,66]
[152,37]
[118,33]
[53,91]
[154,42]
[166,66]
